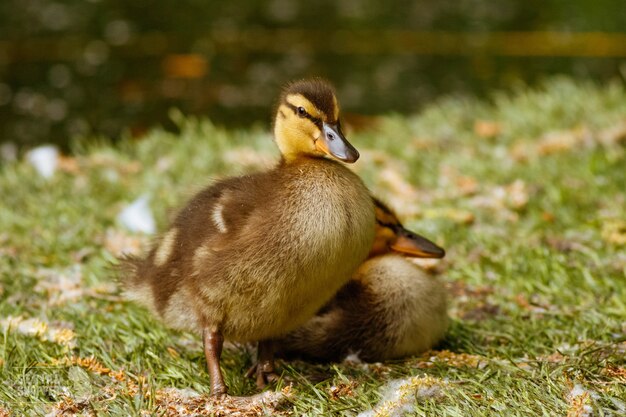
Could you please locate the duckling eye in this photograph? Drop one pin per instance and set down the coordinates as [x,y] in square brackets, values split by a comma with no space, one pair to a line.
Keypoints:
[301,112]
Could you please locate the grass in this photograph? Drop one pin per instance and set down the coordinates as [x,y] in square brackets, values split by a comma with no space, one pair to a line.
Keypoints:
[526,192]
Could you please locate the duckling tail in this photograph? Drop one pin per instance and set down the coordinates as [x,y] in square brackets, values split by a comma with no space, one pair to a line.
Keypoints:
[129,278]
[126,269]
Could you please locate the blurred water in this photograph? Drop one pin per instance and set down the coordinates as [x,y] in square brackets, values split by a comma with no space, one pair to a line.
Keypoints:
[72,67]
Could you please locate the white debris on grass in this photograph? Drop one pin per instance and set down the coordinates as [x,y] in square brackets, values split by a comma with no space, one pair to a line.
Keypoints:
[401,395]
[579,399]
[44,159]
[60,286]
[512,196]
[137,217]
[353,358]
[38,328]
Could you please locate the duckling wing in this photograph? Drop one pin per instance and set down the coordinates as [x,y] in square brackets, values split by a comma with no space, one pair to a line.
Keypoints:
[220,211]
[212,217]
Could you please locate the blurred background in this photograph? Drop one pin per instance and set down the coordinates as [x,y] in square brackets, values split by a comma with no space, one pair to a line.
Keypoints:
[76,68]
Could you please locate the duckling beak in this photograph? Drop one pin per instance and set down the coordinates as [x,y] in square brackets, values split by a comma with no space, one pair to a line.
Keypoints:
[334,143]
[412,244]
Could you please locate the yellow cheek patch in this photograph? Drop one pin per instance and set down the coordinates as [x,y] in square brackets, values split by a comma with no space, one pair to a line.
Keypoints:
[299,100]
[293,123]
[384,236]
[295,135]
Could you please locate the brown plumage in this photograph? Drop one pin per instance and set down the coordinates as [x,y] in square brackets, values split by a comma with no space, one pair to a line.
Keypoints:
[390,309]
[253,257]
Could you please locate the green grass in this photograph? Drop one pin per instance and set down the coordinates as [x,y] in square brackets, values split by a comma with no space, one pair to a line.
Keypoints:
[526,193]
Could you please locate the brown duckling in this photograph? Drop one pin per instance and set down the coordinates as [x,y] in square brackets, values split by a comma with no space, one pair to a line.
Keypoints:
[253,257]
[390,309]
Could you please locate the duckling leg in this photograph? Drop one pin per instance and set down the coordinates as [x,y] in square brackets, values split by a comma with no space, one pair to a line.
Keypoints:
[264,367]
[213,342]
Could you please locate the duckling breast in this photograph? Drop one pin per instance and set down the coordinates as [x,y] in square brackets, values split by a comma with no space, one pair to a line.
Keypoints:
[296,250]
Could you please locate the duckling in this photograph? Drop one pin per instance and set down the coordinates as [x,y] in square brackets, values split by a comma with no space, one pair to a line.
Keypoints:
[390,309]
[253,257]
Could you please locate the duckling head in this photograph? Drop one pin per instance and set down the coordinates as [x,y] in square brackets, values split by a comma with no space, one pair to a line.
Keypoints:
[307,123]
[391,236]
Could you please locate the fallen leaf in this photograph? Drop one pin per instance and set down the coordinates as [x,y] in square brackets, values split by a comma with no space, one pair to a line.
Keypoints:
[521,151]
[38,328]
[514,195]
[173,353]
[62,336]
[396,182]
[466,185]
[517,194]
[188,66]
[579,402]
[557,142]
[556,357]
[455,185]
[342,390]
[60,286]
[456,215]
[614,134]
[451,359]
[375,157]
[470,302]
[487,128]
[67,406]
[69,165]
[616,372]
[614,232]
[119,243]
[112,161]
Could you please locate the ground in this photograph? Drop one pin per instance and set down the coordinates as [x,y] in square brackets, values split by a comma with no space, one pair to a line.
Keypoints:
[527,193]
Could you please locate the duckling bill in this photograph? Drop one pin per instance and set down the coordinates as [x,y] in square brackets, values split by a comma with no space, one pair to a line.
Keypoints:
[251,258]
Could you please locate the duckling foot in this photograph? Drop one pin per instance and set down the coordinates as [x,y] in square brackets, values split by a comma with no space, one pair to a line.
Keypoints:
[264,368]
[264,373]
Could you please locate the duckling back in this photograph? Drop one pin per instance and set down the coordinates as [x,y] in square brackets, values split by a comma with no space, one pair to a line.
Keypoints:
[415,304]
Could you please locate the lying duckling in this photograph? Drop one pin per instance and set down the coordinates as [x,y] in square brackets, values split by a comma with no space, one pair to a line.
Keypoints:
[253,257]
[390,309]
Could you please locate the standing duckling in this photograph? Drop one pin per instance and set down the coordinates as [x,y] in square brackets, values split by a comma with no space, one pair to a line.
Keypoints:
[253,257]
[390,309]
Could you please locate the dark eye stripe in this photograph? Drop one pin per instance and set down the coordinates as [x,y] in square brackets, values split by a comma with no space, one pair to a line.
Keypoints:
[315,120]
